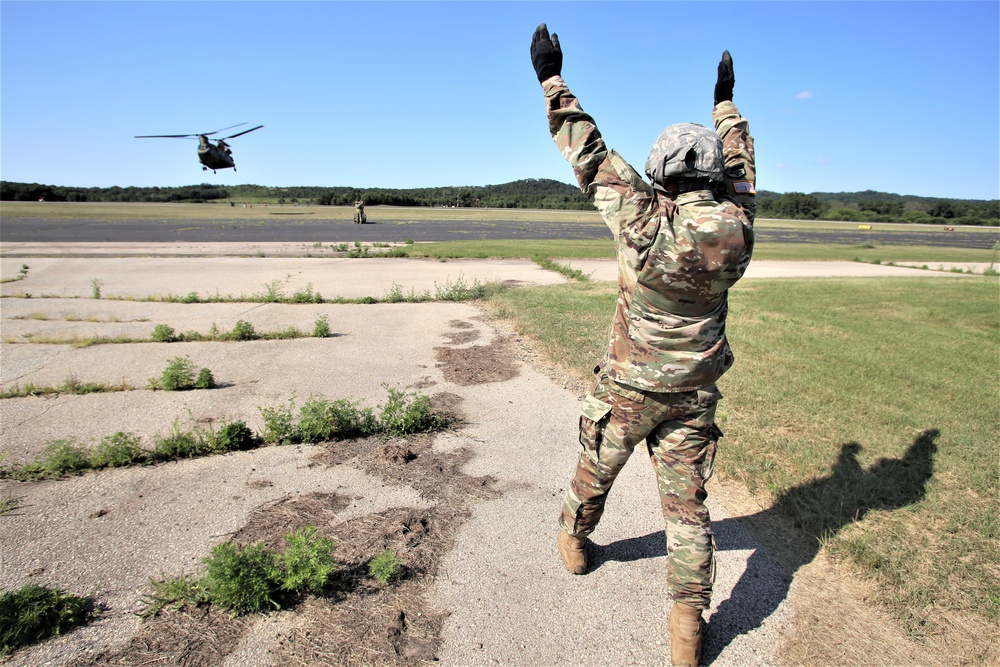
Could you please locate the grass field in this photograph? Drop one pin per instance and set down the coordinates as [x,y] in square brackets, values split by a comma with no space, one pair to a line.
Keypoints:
[867,411]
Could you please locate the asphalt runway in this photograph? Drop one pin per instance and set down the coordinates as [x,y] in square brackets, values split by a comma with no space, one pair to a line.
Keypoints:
[83,230]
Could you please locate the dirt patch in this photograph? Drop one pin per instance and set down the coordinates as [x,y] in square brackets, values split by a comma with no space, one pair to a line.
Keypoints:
[359,621]
[446,405]
[269,524]
[467,334]
[527,350]
[478,364]
[190,637]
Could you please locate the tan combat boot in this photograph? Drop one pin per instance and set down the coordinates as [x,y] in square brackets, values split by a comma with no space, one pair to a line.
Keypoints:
[573,551]
[685,635]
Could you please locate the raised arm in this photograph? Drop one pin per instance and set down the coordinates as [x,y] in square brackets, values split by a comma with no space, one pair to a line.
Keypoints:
[737,144]
[617,190]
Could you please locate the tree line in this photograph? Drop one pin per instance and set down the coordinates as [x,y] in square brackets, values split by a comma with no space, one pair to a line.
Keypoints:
[528,193]
[866,206]
[871,206]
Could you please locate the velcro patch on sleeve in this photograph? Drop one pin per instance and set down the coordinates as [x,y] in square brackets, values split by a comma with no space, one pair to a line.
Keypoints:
[744,187]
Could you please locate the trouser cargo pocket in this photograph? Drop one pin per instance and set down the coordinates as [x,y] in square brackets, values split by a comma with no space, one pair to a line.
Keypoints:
[594,418]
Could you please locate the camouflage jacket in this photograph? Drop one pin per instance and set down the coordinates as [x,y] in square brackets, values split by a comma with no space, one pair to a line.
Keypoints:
[677,258]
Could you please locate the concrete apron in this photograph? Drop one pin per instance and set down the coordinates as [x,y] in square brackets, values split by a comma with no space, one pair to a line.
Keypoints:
[510,599]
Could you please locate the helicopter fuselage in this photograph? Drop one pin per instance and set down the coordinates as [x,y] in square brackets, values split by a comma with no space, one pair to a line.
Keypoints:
[215,156]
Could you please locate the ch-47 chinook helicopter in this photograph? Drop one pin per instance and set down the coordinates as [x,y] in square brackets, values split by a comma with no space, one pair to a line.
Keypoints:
[212,156]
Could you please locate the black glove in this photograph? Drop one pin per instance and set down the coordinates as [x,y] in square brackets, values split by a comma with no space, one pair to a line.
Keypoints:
[724,85]
[546,55]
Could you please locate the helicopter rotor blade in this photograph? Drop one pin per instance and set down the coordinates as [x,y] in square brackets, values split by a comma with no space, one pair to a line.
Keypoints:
[244,132]
[165,136]
[208,134]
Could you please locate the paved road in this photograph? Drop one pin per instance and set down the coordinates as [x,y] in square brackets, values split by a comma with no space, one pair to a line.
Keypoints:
[299,230]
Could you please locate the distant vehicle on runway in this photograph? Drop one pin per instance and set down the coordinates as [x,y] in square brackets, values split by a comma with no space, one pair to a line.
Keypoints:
[212,156]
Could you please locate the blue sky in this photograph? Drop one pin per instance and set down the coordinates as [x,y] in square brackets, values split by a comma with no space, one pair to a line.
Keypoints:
[900,97]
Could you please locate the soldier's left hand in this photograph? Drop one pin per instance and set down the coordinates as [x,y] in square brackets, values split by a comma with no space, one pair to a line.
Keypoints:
[546,55]
[726,81]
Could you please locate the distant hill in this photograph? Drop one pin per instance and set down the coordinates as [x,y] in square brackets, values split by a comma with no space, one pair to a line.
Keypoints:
[531,193]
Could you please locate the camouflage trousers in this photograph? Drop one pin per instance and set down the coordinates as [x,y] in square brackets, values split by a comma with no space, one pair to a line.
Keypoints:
[680,435]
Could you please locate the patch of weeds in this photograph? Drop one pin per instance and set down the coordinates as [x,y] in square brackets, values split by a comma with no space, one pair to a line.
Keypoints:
[321,329]
[34,613]
[21,275]
[279,424]
[574,274]
[178,444]
[178,376]
[342,247]
[384,567]
[61,457]
[177,592]
[394,294]
[408,241]
[117,450]
[163,333]
[69,386]
[242,330]
[406,412]
[205,379]
[287,334]
[398,251]
[252,579]
[321,420]
[232,436]
[242,580]
[272,290]
[306,295]
[95,287]
[8,504]
[307,563]
[460,290]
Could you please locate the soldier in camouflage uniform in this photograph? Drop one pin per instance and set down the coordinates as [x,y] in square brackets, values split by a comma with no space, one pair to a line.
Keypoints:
[682,241]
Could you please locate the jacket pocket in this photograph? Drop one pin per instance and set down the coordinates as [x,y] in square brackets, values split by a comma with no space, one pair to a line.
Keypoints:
[594,418]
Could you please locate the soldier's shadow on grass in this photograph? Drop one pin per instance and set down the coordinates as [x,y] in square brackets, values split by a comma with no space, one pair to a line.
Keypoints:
[821,507]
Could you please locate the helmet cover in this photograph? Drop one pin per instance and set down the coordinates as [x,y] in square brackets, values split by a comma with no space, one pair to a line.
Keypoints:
[685,150]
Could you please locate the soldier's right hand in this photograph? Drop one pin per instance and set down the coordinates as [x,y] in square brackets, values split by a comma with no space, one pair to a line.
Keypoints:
[726,81]
[546,55]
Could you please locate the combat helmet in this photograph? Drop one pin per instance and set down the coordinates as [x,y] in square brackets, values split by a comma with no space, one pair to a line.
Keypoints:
[685,150]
